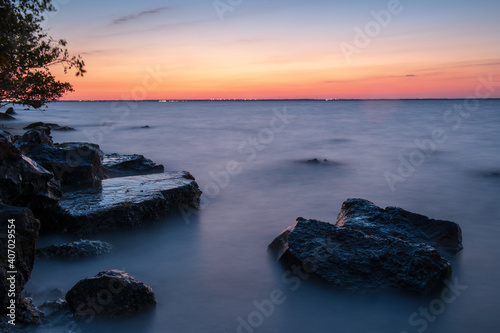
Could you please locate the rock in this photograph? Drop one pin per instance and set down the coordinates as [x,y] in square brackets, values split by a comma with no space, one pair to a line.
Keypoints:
[64,128]
[121,294]
[23,182]
[370,248]
[129,165]
[33,138]
[74,163]
[489,174]
[79,249]
[4,116]
[28,314]
[10,111]
[53,126]
[147,126]
[126,202]
[395,222]
[26,233]
[56,307]
[316,161]
[6,136]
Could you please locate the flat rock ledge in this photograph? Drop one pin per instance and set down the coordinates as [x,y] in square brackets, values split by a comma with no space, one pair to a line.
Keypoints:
[126,202]
[370,248]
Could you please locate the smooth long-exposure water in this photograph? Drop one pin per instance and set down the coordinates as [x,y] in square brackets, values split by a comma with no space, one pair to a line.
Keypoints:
[211,271]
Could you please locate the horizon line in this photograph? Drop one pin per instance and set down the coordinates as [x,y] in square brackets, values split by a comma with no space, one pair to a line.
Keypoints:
[174,100]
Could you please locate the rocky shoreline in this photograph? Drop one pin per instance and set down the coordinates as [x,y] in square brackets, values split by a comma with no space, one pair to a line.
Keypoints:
[76,188]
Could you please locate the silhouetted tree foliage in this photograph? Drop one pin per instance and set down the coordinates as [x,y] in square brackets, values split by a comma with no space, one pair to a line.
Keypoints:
[27,53]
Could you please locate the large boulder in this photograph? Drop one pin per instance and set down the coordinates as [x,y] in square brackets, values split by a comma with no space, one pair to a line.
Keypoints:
[110,294]
[23,182]
[73,163]
[117,165]
[126,202]
[18,235]
[10,111]
[79,249]
[370,248]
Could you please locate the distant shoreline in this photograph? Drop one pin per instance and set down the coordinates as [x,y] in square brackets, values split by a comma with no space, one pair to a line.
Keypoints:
[277,100]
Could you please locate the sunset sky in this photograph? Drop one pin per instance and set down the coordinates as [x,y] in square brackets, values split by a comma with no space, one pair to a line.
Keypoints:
[202,49]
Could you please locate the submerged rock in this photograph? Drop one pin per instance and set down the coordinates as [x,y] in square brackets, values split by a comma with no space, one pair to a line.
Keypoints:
[22,257]
[120,294]
[5,116]
[316,161]
[126,202]
[78,249]
[117,165]
[53,126]
[370,248]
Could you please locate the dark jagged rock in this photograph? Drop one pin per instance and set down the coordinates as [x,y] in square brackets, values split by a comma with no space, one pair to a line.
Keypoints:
[74,163]
[33,138]
[316,161]
[10,111]
[129,165]
[25,183]
[26,233]
[126,202]
[53,126]
[322,162]
[370,248]
[5,116]
[74,250]
[395,222]
[147,126]
[122,294]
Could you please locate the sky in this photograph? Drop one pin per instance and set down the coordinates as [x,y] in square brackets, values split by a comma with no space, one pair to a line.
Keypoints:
[206,49]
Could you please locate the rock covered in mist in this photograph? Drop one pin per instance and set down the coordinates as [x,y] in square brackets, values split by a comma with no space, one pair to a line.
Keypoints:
[117,165]
[120,294]
[370,248]
[53,126]
[79,249]
[10,111]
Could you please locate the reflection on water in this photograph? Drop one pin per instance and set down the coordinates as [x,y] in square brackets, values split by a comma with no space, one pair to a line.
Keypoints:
[209,275]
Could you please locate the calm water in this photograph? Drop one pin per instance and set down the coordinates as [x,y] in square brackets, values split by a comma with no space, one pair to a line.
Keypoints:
[208,270]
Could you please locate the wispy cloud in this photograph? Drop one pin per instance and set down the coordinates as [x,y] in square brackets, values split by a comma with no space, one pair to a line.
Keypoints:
[132,17]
